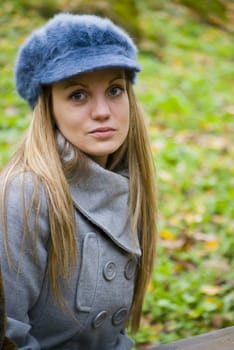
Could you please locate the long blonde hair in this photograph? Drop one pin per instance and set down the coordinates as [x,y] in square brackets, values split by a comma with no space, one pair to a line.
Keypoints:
[38,154]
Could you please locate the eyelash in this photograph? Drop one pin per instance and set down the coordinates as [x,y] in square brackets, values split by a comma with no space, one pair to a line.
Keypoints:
[84,94]
[75,93]
[120,88]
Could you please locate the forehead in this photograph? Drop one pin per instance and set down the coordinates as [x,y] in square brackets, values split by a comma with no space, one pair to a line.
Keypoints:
[102,75]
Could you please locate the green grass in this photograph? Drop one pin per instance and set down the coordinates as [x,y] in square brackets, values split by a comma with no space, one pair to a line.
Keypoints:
[188,96]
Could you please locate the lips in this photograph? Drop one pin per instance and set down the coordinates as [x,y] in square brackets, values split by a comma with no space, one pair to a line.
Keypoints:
[102,129]
[103,132]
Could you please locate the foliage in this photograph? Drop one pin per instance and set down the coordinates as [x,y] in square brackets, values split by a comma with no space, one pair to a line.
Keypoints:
[186,88]
[188,94]
[207,9]
[125,13]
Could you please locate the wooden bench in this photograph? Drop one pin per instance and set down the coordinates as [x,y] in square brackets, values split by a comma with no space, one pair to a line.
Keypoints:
[223,339]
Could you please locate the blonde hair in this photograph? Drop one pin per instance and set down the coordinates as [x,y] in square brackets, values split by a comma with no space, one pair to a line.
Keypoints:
[38,154]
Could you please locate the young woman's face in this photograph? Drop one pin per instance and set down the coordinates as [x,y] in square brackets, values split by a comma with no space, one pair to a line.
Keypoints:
[92,111]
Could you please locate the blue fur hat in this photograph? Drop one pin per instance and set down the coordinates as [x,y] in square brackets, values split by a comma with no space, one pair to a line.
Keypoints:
[71,44]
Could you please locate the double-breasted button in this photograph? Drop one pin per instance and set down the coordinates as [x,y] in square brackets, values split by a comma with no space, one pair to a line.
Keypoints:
[129,269]
[99,319]
[109,271]
[119,316]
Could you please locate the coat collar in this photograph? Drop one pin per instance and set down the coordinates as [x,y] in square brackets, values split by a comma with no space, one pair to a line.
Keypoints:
[102,197]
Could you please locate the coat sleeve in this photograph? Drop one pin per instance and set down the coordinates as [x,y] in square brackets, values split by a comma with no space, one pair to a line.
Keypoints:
[2,313]
[24,276]
[5,343]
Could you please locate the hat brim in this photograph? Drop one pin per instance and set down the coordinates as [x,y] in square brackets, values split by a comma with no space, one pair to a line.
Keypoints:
[65,67]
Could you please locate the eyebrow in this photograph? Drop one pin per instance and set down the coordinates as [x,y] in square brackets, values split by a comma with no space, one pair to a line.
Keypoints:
[73,82]
[117,78]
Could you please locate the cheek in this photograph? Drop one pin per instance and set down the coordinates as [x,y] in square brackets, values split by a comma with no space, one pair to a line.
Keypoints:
[57,109]
[125,112]
[64,118]
[61,112]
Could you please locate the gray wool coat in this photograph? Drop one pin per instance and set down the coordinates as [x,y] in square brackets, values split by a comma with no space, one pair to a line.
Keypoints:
[5,343]
[99,294]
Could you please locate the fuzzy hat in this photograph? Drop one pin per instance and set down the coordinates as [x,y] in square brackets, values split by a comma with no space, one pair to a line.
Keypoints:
[71,44]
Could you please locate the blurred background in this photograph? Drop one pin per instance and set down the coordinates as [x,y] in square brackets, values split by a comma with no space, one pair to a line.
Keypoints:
[186,49]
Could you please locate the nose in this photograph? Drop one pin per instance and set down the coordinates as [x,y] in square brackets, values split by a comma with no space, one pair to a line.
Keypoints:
[100,108]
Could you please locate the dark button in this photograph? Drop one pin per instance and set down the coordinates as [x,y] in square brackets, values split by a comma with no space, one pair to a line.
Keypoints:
[119,316]
[99,319]
[129,270]
[109,271]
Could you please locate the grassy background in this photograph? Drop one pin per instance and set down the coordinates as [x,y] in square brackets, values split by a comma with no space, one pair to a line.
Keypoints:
[187,89]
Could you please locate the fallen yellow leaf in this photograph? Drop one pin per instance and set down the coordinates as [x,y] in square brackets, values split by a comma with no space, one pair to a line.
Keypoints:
[211,290]
[168,235]
[212,244]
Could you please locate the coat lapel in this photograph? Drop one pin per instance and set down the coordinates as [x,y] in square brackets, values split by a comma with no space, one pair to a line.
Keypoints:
[102,197]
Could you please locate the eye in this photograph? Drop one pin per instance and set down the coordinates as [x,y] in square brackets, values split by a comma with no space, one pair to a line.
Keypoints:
[78,96]
[115,90]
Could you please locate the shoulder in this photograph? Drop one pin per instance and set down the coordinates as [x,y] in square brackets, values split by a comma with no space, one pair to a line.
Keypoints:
[20,180]
[23,210]
[22,189]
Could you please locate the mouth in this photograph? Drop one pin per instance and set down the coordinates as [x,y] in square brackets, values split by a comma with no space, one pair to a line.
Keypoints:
[103,132]
[102,129]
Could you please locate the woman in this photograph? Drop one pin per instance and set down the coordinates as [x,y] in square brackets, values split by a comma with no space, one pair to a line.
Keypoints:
[78,211]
